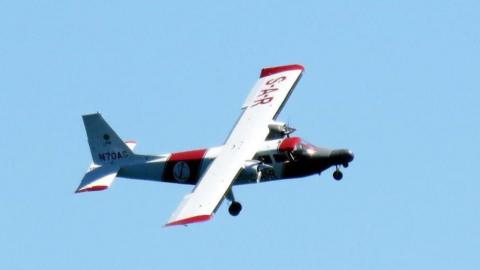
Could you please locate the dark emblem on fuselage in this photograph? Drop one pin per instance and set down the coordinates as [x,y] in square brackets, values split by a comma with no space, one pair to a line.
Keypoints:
[181,171]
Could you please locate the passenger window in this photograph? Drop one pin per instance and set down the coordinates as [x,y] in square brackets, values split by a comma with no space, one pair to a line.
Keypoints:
[280,158]
[265,159]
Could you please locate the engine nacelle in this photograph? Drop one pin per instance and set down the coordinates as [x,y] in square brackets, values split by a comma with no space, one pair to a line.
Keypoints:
[279,130]
[277,126]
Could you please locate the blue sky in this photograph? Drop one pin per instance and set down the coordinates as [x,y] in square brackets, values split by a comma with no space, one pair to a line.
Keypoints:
[395,81]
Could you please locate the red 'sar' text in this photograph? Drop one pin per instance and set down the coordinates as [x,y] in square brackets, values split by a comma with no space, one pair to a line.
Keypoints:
[265,95]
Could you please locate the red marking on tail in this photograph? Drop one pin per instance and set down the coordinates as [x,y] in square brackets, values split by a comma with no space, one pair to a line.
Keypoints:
[94,188]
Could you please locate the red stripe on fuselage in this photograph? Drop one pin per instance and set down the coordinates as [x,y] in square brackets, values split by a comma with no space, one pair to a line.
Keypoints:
[188,155]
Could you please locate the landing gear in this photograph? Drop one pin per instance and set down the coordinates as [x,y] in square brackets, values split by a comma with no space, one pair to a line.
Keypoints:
[337,175]
[235,208]
[340,158]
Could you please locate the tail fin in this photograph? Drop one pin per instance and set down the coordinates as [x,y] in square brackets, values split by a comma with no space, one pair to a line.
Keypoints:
[105,145]
[109,152]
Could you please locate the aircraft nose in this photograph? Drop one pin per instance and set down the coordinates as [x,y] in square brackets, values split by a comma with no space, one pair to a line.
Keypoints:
[350,155]
[342,156]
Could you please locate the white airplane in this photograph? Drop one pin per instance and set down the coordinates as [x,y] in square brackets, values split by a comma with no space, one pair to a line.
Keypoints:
[258,149]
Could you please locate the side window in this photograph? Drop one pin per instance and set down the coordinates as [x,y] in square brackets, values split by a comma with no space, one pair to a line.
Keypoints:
[265,159]
[280,158]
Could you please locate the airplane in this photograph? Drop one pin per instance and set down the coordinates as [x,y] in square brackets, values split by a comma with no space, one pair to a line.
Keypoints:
[259,149]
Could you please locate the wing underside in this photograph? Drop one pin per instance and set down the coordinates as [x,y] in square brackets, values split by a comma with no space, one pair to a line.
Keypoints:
[262,105]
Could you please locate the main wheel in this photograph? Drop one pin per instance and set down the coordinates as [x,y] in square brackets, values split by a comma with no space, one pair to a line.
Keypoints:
[235,208]
[337,175]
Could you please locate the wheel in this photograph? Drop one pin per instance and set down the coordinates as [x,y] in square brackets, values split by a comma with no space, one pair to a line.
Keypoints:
[337,175]
[235,208]
[345,165]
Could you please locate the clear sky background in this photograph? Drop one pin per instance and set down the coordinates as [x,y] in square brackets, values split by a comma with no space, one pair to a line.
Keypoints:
[395,81]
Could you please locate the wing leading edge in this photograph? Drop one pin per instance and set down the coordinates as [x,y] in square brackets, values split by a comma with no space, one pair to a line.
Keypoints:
[262,105]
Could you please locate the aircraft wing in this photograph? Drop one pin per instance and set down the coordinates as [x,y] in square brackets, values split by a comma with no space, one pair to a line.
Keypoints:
[262,105]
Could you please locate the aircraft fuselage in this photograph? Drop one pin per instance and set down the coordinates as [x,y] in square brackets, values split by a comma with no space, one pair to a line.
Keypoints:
[276,160]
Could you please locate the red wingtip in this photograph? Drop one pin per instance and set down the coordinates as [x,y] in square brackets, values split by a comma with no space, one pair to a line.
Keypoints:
[272,70]
[190,220]
[94,188]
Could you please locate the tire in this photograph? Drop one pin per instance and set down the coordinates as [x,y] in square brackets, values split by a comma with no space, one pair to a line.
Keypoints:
[337,175]
[235,208]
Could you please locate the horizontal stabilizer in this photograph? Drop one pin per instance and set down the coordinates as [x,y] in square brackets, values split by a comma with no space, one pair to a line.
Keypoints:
[98,178]
[131,144]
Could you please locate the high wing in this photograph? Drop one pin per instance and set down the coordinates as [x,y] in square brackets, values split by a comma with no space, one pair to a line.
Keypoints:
[261,107]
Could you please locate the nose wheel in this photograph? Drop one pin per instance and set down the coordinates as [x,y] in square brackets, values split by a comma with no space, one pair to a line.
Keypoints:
[337,174]
[234,208]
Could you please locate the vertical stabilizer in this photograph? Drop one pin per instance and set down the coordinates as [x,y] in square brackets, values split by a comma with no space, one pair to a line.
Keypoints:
[105,145]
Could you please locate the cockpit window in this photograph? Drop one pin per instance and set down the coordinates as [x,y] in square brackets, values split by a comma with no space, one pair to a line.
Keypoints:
[280,157]
[265,159]
[308,145]
[304,148]
[296,147]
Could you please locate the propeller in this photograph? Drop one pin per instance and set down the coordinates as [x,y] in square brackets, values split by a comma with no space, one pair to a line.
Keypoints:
[288,129]
[259,167]
[259,174]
